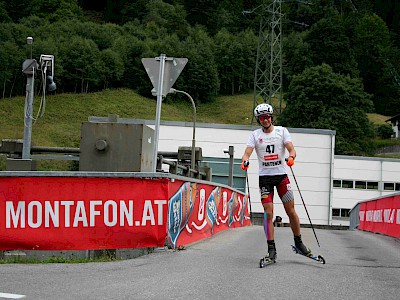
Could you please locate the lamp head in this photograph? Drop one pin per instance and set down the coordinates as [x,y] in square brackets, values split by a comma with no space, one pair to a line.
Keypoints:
[51,85]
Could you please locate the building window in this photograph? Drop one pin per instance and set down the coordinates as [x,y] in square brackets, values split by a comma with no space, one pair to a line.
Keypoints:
[344,212]
[391,186]
[372,185]
[388,186]
[337,183]
[340,213]
[348,184]
[358,184]
[335,212]
[361,185]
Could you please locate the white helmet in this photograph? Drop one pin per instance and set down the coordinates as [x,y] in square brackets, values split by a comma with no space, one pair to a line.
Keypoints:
[262,109]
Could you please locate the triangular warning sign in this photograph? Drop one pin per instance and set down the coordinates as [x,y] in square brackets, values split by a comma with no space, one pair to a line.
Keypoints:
[172,69]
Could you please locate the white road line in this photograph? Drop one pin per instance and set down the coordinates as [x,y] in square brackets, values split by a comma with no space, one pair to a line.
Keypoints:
[11,296]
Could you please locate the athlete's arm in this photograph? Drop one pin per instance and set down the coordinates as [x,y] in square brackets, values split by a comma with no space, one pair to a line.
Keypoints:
[247,153]
[290,148]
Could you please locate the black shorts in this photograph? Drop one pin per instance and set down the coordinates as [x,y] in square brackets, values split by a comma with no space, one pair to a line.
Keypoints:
[281,182]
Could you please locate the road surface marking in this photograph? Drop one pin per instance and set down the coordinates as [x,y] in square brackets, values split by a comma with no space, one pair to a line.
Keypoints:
[11,296]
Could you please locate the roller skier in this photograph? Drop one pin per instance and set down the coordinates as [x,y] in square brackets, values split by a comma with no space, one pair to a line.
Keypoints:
[270,143]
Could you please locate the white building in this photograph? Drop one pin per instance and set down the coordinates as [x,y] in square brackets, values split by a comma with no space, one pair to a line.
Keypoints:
[358,179]
[395,122]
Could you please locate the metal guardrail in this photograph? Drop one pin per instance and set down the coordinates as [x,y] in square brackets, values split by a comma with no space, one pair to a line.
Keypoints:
[389,149]
[13,149]
[187,171]
[353,214]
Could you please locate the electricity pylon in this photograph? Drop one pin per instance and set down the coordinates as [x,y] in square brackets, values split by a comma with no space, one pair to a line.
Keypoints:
[268,70]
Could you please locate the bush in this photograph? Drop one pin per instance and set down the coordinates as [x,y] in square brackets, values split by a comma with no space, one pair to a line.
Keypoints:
[384,131]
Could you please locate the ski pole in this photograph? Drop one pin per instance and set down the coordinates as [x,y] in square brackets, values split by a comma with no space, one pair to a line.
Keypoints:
[248,193]
[305,206]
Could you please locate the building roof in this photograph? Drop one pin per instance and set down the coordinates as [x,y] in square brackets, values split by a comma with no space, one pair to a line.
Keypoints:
[395,118]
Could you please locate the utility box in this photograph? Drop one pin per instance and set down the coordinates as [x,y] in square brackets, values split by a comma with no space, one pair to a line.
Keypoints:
[19,164]
[185,153]
[116,147]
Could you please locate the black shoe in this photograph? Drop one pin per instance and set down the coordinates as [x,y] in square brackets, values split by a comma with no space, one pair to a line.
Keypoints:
[301,247]
[271,255]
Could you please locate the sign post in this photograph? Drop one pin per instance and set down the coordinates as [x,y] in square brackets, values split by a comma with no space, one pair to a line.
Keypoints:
[163,72]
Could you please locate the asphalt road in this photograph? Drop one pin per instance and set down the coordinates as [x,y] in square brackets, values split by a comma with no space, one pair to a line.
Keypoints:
[359,265]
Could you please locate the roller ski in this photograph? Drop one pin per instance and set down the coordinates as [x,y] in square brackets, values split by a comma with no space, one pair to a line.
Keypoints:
[308,254]
[265,261]
[300,248]
[270,258]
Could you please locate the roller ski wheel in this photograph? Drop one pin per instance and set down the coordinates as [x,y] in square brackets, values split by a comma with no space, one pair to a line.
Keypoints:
[265,261]
[318,258]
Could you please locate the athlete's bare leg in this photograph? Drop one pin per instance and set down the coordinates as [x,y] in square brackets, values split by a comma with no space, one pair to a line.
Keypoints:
[293,217]
[269,210]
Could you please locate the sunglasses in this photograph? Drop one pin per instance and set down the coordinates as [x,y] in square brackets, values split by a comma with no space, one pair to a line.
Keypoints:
[264,117]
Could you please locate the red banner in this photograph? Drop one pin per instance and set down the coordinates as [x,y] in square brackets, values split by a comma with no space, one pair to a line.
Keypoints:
[197,211]
[65,213]
[382,215]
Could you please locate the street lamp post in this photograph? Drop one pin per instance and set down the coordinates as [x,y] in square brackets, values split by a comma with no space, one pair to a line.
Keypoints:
[194,125]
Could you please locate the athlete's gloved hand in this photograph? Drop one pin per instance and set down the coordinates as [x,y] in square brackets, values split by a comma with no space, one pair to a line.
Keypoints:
[245,165]
[290,161]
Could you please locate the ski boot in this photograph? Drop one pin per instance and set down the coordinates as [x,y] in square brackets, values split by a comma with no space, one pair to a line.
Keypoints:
[270,257]
[302,249]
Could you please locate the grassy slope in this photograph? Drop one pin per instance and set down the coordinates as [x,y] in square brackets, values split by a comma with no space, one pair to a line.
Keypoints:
[64,113]
[377,119]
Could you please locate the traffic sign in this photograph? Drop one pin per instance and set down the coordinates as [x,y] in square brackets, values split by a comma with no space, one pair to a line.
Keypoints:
[172,69]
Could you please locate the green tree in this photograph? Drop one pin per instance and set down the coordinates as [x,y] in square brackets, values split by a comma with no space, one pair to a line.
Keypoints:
[112,68]
[103,35]
[329,44]
[56,10]
[17,9]
[303,14]
[131,50]
[296,56]
[4,17]
[167,16]
[320,98]
[10,71]
[80,60]
[132,10]
[13,51]
[202,12]
[201,73]
[235,56]
[372,47]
